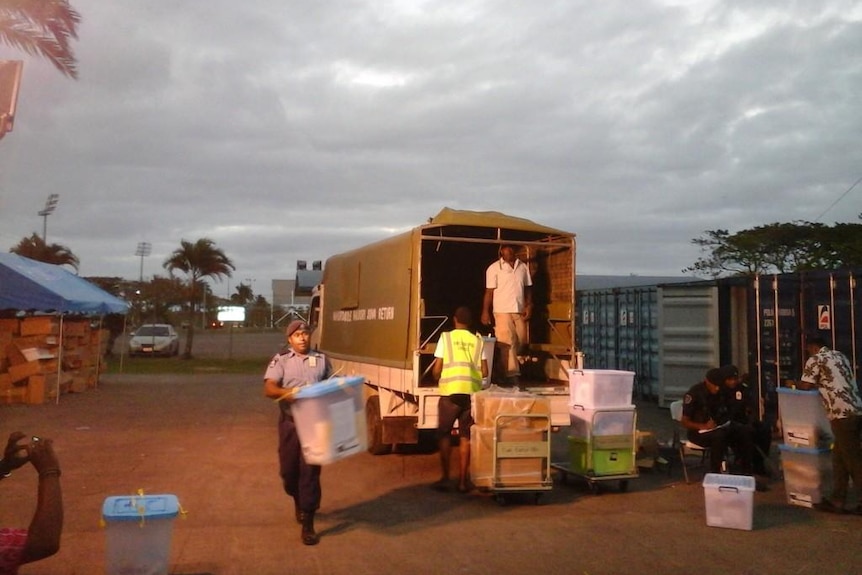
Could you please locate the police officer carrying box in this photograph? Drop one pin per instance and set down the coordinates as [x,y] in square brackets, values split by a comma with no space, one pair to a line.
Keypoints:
[287,373]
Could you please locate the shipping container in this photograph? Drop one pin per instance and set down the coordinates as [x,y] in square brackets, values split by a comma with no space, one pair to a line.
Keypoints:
[670,334]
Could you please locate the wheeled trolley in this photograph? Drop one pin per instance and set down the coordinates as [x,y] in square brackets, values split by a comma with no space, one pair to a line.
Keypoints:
[602,447]
[515,455]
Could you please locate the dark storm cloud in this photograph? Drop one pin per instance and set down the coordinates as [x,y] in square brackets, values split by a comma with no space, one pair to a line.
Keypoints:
[293,130]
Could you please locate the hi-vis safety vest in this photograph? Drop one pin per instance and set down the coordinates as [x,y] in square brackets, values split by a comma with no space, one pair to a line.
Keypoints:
[462,362]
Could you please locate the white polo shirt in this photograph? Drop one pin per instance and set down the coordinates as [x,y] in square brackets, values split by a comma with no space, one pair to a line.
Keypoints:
[508,283]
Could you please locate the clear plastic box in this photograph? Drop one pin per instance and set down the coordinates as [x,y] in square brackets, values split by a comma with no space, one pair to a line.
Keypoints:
[729,500]
[803,418]
[587,423]
[597,388]
[139,530]
[330,419]
[807,474]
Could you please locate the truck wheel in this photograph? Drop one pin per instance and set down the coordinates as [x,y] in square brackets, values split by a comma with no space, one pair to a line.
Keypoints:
[374,427]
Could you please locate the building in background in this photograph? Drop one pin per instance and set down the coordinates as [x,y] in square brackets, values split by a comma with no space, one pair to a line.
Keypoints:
[292,298]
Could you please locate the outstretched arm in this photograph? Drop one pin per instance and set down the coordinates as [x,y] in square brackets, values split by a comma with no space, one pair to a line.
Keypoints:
[43,535]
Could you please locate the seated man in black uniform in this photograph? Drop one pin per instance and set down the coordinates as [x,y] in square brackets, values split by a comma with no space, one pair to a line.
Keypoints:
[742,407]
[705,416]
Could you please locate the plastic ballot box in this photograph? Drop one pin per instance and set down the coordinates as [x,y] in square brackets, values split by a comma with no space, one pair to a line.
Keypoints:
[330,419]
[600,388]
[139,530]
[729,500]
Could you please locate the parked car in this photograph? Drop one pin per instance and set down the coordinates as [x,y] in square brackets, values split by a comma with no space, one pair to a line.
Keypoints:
[155,339]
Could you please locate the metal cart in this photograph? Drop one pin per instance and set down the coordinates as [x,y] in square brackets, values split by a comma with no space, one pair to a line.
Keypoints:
[597,458]
[529,449]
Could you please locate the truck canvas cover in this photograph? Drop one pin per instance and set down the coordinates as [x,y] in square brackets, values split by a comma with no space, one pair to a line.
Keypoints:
[387,300]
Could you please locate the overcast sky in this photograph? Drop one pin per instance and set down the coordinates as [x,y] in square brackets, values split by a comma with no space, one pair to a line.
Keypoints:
[286,130]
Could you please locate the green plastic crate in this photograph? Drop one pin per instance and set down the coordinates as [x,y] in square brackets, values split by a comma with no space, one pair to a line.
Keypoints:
[614,457]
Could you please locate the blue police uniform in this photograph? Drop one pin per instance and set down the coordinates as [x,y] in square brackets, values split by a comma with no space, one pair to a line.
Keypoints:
[301,480]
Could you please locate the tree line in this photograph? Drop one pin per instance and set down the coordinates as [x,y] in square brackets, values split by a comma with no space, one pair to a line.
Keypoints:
[779,248]
[156,300]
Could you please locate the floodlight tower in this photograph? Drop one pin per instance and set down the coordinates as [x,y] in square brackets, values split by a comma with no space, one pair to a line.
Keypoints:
[143,251]
[50,206]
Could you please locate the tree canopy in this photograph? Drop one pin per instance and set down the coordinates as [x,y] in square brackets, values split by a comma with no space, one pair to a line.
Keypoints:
[42,28]
[197,260]
[35,248]
[779,248]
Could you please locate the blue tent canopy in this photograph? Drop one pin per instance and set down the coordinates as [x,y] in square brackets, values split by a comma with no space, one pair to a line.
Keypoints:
[28,285]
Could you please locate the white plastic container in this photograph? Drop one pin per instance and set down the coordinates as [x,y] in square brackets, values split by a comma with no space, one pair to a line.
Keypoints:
[139,530]
[330,419]
[807,474]
[488,345]
[803,418]
[729,500]
[586,423]
[597,388]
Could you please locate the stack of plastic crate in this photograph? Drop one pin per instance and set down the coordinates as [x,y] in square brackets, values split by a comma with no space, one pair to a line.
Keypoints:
[602,436]
[805,454]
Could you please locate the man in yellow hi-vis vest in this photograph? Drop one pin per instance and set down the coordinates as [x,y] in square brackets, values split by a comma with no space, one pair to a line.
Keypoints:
[459,368]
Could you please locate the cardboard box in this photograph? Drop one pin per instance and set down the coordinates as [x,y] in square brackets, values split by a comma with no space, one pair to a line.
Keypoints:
[510,471]
[488,404]
[76,328]
[13,395]
[9,325]
[79,384]
[36,389]
[42,325]
[647,449]
[22,371]
[729,500]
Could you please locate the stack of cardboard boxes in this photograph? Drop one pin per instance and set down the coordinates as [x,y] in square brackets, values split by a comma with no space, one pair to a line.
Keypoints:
[35,356]
[509,441]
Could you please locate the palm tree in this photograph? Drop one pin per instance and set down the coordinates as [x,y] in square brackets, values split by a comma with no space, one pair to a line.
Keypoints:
[35,248]
[41,28]
[197,260]
[243,295]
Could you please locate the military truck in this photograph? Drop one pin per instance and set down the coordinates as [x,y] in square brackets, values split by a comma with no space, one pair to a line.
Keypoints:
[380,309]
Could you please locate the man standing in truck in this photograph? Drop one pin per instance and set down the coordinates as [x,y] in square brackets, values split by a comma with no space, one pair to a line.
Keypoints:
[508,295]
[459,368]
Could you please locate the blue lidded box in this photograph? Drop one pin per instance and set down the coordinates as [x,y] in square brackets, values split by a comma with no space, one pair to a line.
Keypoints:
[330,419]
[139,530]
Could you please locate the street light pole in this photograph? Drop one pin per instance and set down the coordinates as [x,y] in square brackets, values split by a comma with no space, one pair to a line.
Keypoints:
[50,206]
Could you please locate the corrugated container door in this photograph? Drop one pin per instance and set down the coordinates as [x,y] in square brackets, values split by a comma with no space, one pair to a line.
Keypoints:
[689,336]
[618,329]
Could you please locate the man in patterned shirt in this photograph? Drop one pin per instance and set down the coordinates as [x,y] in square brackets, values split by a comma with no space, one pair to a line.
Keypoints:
[830,373]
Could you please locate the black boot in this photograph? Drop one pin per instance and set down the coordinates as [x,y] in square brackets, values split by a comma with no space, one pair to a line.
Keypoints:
[297,511]
[309,537]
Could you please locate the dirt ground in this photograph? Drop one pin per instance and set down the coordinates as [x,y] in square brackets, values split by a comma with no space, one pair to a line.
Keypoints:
[210,439]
